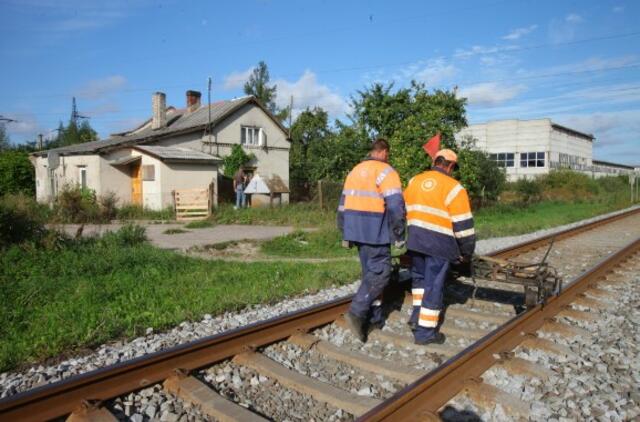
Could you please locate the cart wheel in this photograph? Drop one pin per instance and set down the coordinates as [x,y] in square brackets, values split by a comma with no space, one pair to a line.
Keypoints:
[530,297]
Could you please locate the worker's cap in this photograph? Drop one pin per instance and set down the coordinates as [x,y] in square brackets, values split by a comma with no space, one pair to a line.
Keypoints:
[448,155]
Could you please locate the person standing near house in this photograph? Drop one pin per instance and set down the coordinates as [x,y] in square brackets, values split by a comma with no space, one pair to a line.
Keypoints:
[371,215]
[440,226]
[239,183]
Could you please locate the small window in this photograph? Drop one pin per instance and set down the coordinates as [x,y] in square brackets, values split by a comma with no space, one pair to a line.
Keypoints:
[149,173]
[83,177]
[249,135]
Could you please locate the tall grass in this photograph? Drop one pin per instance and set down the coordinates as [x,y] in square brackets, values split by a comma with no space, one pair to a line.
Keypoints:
[92,291]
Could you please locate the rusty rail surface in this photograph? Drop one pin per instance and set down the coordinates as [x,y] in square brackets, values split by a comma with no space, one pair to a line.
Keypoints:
[422,399]
[63,397]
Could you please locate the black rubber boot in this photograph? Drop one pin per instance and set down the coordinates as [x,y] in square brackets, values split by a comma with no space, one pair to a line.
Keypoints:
[356,325]
[439,338]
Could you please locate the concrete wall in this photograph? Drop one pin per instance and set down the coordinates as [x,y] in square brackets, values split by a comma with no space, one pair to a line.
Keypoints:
[185,176]
[67,174]
[513,136]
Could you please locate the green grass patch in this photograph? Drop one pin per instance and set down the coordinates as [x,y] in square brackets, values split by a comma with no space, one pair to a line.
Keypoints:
[175,231]
[323,243]
[297,215]
[511,220]
[200,224]
[136,212]
[92,291]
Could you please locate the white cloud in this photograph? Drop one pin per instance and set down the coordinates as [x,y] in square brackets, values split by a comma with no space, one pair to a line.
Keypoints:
[490,93]
[564,30]
[308,92]
[237,79]
[476,50]
[520,32]
[433,72]
[98,88]
[574,18]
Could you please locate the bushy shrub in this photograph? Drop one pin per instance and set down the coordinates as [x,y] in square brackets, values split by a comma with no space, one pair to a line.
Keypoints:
[76,205]
[21,220]
[528,191]
[127,235]
[480,175]
[17,175]
[567,185]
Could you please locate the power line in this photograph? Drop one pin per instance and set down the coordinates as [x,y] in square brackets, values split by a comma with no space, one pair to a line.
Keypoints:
[493,50]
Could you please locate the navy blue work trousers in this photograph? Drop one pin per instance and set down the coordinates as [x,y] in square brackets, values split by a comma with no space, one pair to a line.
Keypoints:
[428,274]
[375,261]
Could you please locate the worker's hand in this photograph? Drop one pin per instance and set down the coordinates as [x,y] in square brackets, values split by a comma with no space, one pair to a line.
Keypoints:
[399,244]
[346,244]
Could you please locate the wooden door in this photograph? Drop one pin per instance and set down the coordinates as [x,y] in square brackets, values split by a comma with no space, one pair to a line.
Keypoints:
[136,184]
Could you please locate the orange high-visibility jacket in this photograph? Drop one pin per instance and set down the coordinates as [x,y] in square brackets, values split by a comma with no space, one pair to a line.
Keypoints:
[439,216]
[371,207]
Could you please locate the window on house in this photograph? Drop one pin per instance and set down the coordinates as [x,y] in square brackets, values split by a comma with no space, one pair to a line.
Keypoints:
[532,159]
[504,159]
[82,177]
[249,135]
[149,173]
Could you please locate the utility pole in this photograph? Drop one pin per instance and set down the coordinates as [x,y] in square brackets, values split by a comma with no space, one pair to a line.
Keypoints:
[75,115]
[290,114]
[40,143]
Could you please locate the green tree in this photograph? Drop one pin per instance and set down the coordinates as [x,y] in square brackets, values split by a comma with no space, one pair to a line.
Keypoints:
[235,160]
[5,142]
[86,132]
[333,158]
[478,173]
[258,86]
[310,127]
[17,175]
[407,118]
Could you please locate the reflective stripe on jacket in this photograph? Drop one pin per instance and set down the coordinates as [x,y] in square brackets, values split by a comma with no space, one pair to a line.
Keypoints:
[439,216]
[371,205]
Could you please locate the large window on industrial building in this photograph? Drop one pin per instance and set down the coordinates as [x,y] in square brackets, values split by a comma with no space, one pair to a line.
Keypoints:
[504,159]
[249,135]
[532,159]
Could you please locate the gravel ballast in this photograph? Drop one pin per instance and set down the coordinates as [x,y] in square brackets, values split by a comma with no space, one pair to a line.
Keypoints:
[121,351]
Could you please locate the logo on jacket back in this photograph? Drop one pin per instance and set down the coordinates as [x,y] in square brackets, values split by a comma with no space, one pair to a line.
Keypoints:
[429,184]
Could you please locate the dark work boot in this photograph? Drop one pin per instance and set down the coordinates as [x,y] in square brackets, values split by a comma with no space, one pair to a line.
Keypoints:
[413,325]
[439,338]
[356,325]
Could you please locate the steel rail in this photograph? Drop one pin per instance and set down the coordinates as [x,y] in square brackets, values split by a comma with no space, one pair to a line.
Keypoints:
[63,397]
[422,399]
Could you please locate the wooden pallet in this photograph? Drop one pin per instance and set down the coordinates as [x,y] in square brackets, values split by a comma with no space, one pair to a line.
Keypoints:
[192,204]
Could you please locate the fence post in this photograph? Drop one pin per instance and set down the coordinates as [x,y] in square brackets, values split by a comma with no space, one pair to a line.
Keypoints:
[320,194]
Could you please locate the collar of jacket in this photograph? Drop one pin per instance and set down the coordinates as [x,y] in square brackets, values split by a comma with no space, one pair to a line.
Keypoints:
[375,159]
[438,169]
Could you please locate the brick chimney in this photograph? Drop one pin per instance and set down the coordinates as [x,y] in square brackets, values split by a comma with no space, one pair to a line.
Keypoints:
[159,110]
[193,100]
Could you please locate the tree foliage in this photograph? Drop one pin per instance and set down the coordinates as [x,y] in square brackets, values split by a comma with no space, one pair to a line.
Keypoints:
[407,118]
[5,142]
[235,160]
[310,128]
[258,86]
[17,175]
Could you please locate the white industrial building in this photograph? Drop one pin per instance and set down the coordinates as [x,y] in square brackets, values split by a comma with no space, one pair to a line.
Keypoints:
[528,148]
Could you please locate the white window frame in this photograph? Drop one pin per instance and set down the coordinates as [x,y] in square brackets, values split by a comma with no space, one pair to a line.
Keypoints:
[250,135]
[504,159]
[533,159]
[82,177]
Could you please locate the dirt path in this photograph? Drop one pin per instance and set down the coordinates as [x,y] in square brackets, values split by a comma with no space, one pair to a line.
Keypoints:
[192,238]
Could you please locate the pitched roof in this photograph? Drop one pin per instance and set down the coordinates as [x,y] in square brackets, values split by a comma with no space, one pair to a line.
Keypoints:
[179,121]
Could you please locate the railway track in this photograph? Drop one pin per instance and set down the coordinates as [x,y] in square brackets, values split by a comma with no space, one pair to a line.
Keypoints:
[328,375]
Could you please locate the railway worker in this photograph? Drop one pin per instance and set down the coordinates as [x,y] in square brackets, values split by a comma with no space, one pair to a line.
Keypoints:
[371,216]
[440,226]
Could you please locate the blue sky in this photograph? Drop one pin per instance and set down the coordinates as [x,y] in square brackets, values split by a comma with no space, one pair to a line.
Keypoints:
[577,62]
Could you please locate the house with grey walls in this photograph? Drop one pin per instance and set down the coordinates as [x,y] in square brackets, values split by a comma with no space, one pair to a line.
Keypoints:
[177,148]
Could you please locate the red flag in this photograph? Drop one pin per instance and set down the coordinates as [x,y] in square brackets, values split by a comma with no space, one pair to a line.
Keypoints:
[432,146]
